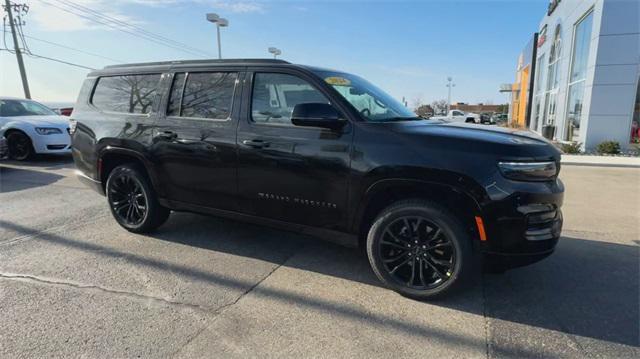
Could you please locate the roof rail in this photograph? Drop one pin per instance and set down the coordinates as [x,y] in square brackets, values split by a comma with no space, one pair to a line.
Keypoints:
[196,62]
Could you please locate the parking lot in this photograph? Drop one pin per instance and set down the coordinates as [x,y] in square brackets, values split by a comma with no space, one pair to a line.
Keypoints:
[73,283]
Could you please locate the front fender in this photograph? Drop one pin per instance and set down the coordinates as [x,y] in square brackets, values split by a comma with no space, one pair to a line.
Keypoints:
[461,187]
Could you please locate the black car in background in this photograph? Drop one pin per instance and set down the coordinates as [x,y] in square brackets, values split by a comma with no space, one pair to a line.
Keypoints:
[319,151]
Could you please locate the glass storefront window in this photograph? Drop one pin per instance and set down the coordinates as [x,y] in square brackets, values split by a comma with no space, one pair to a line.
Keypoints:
[553,80]
[539,94]
[579,60]
[635,121]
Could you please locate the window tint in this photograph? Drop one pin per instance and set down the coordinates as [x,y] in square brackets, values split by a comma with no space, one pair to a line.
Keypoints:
[458,113]
[128,93]
[204,95]
[275,95]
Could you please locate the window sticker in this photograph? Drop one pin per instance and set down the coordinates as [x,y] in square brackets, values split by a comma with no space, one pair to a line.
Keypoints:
[337,81]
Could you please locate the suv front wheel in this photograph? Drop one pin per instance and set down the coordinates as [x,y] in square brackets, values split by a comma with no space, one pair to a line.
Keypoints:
[419,249]
[133,201]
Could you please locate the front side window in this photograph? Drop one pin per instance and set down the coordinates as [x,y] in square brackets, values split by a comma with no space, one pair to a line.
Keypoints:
[275,95]
[372,103]
[11,108]
[126,93]
[458,113]
[202,95]
[578,75]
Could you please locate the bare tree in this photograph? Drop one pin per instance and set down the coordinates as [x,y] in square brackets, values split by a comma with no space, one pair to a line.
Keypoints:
[139,90]
[424,111]
[439,107]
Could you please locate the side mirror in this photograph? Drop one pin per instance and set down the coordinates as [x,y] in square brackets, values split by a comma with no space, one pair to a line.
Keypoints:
[316,115]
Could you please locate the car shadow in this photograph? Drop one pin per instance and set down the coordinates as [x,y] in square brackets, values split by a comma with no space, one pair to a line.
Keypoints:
[586,288]
[17,179]
[43,162]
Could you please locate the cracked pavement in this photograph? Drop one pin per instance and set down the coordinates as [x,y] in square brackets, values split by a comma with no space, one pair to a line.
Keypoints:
[73,283]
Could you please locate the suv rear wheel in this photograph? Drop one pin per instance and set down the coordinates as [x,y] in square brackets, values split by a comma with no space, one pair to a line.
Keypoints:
[133,201]
[419,249]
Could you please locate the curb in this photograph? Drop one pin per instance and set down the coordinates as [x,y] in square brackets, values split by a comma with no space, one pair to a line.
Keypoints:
[600,161]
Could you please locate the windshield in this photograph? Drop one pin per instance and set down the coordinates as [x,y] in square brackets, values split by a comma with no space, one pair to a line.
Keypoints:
[11,108]
[372,103]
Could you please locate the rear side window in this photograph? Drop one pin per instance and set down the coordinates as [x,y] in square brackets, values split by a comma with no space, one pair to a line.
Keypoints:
[127,93]
[202,95]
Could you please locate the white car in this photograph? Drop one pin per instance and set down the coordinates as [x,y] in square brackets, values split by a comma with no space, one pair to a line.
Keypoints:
[31,128]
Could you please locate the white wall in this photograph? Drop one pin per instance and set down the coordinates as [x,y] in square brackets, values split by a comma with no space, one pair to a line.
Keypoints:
[612,70]
[616,73]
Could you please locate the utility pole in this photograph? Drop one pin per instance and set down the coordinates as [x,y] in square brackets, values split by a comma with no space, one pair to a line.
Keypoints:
[16,47]
[449,85]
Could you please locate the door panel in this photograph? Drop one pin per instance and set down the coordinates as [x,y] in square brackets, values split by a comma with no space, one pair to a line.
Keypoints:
[194,145]
[286,172]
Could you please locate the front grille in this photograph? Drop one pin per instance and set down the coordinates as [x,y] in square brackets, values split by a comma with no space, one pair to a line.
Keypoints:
[543,225]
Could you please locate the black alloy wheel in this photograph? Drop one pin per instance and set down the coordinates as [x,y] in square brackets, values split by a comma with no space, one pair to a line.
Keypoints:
[128,200]
[417,253]
[419,249]
[133,201]
[20,147]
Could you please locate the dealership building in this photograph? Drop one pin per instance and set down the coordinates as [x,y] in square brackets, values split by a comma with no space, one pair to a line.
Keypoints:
[578,77]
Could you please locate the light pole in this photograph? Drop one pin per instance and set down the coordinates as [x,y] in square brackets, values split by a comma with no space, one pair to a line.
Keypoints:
[449,85]
[220,22]
[275,52]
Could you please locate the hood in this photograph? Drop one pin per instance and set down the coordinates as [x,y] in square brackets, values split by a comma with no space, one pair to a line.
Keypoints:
[503,142]
[41,121]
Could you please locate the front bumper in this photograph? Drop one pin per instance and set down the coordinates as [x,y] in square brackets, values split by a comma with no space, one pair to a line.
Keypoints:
[524,227]
[52,144]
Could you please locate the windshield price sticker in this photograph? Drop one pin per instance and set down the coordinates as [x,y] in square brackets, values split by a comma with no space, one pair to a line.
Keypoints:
[337,81]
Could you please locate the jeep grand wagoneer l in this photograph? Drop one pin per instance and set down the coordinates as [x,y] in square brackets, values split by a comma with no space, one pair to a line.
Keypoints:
[312,149]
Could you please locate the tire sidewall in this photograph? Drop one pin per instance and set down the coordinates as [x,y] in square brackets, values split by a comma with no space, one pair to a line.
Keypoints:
[447,223]
[11,137]
[142,181]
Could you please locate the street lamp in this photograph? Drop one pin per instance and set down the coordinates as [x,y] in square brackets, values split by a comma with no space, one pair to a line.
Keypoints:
[220,22]
[275,52]
[449,85]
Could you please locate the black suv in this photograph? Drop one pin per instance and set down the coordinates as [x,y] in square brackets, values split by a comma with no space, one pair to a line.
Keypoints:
[318,151]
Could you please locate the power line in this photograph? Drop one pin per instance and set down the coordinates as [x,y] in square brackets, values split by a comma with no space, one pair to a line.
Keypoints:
[131,26]
[72,48]
[60,61]
[28,52]
[118,27]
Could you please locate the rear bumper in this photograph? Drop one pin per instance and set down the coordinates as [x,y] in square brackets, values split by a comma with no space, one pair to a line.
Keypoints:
[90,182]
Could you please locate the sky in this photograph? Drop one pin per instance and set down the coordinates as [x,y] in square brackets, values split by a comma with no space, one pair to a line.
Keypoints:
[408,48]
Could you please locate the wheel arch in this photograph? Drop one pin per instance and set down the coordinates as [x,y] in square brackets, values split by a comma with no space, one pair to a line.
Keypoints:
[111,157]
[385,192]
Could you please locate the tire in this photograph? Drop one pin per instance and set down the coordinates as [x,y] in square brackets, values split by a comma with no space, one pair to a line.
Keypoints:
[132,200]
[432,226]
[20,146]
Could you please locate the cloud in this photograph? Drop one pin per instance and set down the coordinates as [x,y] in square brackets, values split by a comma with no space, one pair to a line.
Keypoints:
[237,6]
[52,15]
[74,16]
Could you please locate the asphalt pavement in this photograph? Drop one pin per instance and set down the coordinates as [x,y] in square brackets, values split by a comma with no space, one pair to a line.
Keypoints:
[73,283]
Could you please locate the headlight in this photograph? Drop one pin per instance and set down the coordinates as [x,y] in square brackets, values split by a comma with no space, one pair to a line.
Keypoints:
[529,171]
[48,130]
